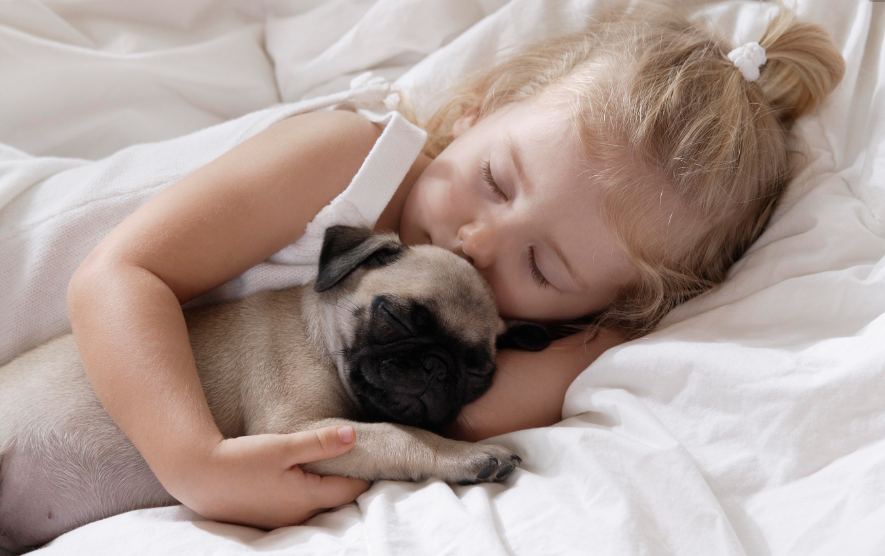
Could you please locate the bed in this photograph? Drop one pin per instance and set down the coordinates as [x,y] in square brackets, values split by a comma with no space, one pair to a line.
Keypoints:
[752,422]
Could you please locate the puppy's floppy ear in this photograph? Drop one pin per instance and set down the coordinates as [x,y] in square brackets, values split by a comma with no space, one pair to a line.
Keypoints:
[345,248]
[524,335]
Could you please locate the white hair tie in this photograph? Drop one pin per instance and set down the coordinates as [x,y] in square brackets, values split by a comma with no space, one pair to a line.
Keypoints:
[748,58]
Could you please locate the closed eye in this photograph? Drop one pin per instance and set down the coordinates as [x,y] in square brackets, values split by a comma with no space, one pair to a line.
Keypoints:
[536,272]
[485,170]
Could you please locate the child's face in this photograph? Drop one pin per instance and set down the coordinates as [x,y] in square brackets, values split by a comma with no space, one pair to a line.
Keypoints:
[548,202]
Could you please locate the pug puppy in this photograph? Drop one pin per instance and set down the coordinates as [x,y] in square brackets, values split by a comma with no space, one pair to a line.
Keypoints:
[392,340]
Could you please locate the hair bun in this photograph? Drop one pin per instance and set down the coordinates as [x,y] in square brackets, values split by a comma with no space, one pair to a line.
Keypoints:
[803,65]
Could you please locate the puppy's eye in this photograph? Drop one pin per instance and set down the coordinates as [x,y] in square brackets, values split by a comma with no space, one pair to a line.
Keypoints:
[388,325]
[395,319]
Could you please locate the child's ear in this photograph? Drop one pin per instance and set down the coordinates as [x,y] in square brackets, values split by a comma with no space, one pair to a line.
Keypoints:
[464,123]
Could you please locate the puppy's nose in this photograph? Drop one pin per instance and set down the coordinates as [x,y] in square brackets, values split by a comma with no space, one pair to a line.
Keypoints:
[437,364]
[389,323]
[434,368]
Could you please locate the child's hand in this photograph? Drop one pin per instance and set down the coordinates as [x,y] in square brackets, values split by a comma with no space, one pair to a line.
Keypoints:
[256,481]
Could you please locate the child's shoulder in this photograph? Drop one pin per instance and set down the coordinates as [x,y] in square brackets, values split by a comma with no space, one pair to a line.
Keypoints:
[342,127]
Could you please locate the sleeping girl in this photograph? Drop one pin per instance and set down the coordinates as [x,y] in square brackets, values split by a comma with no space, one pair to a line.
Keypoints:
[598,178]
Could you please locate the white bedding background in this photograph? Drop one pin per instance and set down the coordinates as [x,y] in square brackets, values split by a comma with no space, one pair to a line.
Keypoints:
[752,422]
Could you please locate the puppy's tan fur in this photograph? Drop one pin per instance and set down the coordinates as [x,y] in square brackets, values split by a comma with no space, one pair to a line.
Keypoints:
[270,363]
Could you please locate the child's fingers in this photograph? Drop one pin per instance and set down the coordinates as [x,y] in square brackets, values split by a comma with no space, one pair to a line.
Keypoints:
[324,443]
[262,484]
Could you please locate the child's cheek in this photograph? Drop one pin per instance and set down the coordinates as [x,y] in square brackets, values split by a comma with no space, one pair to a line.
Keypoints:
[440,201]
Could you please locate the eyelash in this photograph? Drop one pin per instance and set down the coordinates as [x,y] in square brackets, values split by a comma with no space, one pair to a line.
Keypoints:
[536,272]
[485,170]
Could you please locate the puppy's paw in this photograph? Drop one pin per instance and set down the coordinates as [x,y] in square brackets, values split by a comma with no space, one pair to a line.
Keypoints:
[484,463]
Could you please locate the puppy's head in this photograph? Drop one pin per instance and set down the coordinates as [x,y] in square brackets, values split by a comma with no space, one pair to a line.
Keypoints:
[415,329]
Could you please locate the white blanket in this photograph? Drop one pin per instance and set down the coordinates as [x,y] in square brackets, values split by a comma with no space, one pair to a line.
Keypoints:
[752,422]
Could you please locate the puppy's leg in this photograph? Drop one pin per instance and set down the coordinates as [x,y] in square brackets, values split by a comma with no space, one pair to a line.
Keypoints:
[399,452]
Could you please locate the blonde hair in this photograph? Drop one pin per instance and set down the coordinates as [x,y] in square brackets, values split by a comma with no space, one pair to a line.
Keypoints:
[664,114]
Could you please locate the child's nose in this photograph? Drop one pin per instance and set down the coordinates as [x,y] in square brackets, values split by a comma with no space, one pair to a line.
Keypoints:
[478,243]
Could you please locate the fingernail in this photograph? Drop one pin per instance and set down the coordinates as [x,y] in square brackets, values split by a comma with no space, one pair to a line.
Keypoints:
[345,434]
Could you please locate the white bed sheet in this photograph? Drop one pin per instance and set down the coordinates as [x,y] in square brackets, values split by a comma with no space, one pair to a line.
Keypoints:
[752,422]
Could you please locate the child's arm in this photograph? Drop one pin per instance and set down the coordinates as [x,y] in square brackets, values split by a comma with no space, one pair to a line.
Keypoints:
[124,305]
[529,387]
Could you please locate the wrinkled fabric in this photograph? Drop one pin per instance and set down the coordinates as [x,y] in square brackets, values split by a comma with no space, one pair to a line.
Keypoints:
[752,422]
[59,209]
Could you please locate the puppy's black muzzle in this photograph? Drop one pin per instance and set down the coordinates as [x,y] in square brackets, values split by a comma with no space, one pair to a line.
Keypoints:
[404,367]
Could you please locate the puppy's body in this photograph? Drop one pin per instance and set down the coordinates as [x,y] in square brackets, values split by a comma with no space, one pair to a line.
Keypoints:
[409,341]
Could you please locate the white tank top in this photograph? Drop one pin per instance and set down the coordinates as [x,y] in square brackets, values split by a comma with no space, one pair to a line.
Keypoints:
[53,211]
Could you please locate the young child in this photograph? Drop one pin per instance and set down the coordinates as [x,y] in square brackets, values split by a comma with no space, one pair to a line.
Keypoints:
[603,176]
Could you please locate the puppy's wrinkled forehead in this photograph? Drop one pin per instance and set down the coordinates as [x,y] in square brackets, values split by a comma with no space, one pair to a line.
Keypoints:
[460,298]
